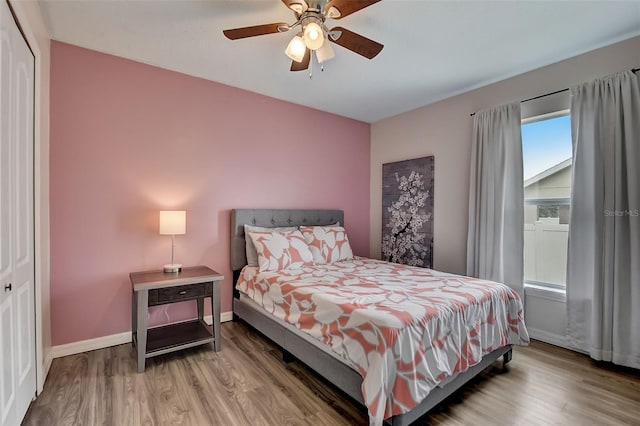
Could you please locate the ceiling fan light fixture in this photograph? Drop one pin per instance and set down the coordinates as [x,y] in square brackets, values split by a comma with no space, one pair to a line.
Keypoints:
[312,33]
[296,48]
[325,53]
[313,36]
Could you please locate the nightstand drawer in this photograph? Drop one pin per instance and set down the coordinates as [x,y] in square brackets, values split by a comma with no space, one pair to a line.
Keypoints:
[175,294]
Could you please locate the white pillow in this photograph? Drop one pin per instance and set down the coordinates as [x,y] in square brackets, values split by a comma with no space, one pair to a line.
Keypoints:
[281,250]
[333,225]
[327,244]
[250,248]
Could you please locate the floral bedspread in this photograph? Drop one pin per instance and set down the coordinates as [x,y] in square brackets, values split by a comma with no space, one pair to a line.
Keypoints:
[405,329]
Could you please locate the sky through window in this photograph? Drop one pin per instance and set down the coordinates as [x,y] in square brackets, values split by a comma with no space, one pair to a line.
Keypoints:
[545,143]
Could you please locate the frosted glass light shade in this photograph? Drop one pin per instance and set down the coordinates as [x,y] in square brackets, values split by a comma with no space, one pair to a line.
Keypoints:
[325,53]
[173,222]
[296,48]
[313,36]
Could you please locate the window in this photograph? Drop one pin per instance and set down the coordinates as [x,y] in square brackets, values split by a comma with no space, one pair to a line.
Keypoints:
[547,152]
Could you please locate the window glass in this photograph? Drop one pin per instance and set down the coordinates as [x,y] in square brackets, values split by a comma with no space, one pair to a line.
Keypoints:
[546,148]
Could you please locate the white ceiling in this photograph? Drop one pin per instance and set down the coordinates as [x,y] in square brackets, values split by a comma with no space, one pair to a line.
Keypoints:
[433,49]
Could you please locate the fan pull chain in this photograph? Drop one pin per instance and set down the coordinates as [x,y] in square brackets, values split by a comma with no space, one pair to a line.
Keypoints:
[311,67]
[321,63]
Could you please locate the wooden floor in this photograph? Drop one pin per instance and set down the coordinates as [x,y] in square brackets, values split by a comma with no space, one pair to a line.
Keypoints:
[247,383]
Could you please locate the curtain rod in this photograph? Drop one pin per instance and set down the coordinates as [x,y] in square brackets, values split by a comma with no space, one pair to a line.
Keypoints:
[552,93]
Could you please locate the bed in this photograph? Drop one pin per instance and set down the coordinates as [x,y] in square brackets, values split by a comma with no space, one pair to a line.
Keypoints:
[372,380]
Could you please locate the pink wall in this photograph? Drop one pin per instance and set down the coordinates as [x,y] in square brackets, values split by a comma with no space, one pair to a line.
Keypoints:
[128,140]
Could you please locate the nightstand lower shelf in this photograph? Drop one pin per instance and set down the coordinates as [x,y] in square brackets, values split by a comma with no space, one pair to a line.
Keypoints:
[173,337]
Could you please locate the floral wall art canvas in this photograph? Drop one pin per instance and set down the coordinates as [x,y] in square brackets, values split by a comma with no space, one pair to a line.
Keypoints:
[407,212]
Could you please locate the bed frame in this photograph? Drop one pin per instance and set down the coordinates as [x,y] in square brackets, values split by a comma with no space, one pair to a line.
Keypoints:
[336,372]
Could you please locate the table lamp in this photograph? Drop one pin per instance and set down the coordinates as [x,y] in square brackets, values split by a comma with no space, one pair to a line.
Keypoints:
[173,222]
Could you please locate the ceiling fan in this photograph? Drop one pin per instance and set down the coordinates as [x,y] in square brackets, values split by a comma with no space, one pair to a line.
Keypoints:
[314,34]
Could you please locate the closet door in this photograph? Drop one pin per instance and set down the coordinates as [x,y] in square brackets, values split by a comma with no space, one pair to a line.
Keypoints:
[7,148]
[17,315]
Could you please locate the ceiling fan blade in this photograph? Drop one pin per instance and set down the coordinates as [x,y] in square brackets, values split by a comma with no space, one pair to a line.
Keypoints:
[298,6]
[355,42]
[304,64]
[256,30]
[338,9]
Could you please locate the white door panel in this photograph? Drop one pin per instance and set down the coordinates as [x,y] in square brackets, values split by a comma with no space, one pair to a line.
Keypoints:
[17,312]
[25,348]
[23,213]
[23,230]
[6,153]
[7,355]
[7,312]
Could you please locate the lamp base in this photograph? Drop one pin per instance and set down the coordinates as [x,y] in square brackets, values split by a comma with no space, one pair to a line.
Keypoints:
[172,267]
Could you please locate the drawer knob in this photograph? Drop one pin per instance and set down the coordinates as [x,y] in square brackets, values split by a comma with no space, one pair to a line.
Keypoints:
[183,292]
[8,287]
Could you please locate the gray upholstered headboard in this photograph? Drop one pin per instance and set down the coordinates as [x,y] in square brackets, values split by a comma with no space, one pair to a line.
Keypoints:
[273,218]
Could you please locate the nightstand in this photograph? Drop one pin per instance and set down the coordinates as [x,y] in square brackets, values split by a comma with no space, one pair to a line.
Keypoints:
[153,288]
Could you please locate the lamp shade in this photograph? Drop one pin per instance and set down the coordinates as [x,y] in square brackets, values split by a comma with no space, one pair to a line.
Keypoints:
[173,222]
[325,52]
[296,49]
[313,36]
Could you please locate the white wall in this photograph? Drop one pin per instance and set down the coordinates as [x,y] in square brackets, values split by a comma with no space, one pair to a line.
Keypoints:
[443,129]
[546,315]
[32,25]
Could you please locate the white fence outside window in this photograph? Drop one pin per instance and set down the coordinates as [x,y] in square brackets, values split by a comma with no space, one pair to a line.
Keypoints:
[545,247]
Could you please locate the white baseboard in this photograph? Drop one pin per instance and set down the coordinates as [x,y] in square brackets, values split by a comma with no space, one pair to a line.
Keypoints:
[107,341]
[91,344]
[545,336]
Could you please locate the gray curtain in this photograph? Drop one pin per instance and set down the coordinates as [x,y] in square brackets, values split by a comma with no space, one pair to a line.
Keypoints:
[496,200]
[603,272]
